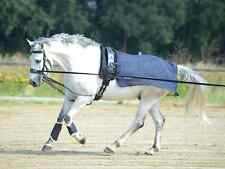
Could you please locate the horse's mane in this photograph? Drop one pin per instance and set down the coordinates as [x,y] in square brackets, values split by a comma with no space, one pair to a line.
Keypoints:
[67,39]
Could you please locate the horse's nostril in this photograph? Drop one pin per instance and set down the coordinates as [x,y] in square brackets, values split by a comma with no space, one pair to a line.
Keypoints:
[32,83]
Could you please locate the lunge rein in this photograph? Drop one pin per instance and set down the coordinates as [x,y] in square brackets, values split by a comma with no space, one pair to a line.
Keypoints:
[56,84]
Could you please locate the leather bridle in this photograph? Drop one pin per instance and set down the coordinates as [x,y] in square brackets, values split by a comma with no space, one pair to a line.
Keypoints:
[44,67]
[50,81]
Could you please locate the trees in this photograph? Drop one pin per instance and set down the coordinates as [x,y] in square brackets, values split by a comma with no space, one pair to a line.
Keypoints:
[20,19]
[204,25]
[155,26]
[69,16]
[33,18]
[123,19]
[141,25]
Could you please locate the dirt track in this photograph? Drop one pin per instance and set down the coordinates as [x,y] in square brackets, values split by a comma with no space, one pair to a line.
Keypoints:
[185,142]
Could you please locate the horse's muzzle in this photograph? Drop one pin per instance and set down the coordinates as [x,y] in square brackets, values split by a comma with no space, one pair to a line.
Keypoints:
[32,83]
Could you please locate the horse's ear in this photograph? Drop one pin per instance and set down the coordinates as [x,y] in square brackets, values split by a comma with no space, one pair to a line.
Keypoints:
[30,42]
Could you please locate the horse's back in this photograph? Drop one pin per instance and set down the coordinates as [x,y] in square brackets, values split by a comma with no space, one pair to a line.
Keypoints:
[147,67]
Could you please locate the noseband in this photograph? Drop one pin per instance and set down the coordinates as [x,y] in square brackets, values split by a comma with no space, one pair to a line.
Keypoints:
[44,67]
[52,82]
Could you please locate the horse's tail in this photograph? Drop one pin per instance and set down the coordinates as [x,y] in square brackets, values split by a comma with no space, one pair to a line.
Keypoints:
[196,97]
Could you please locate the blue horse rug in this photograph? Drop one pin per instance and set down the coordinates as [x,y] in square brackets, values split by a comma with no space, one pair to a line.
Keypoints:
[147,66]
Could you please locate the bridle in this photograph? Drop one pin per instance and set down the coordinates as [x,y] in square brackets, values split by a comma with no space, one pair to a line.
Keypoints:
[44,66]
[60,87]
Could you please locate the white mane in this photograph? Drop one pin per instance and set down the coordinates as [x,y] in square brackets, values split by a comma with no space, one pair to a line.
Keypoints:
[67,39]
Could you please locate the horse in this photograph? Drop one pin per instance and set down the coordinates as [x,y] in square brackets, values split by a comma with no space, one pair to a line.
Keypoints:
[77,53]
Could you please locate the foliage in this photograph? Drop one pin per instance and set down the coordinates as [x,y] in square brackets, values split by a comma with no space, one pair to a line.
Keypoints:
[69,16]
[204,24]
[14,82]
[20,19]
[150,23]
[156,26]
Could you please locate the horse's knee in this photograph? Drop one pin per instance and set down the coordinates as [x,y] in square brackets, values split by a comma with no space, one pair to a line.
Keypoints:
[67,119]
[60,119]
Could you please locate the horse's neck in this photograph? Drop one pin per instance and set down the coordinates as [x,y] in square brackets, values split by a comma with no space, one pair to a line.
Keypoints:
[78,59]
[62,61]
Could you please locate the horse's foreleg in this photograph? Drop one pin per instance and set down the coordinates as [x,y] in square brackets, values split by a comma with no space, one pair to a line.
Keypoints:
[68,118]
[56,129]
[73,130]
[159,121]
[68,110]
[53,137]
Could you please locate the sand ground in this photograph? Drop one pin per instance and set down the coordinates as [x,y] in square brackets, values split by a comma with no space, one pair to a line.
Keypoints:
[186,142]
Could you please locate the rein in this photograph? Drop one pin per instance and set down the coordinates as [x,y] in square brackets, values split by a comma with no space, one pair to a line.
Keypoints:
[56,85]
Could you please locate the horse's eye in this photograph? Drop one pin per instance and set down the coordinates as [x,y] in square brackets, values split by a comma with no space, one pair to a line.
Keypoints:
[38,61]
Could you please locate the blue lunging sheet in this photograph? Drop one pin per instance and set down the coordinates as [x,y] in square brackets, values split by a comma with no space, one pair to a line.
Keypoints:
[145,66]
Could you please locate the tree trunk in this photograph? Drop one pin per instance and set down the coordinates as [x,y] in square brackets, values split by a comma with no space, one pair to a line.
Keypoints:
[125,41]
[124,49]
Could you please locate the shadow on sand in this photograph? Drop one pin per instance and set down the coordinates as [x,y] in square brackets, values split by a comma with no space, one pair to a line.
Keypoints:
[52,153]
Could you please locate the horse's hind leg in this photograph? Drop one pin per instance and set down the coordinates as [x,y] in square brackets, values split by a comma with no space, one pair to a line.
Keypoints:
[159,121]
[137,123]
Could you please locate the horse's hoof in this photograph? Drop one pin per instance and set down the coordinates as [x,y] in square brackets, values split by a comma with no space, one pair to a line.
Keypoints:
[46,148]
[79,137]
[109,150]
[82,141]
[151,151]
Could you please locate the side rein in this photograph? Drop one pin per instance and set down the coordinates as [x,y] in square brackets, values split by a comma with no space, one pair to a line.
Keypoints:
[60,87]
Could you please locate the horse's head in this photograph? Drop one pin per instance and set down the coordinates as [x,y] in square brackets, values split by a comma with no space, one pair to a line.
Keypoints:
[38,63]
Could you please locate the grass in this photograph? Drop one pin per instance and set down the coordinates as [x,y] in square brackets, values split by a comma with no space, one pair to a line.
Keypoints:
[10,88]
[14,82]
[217,97]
